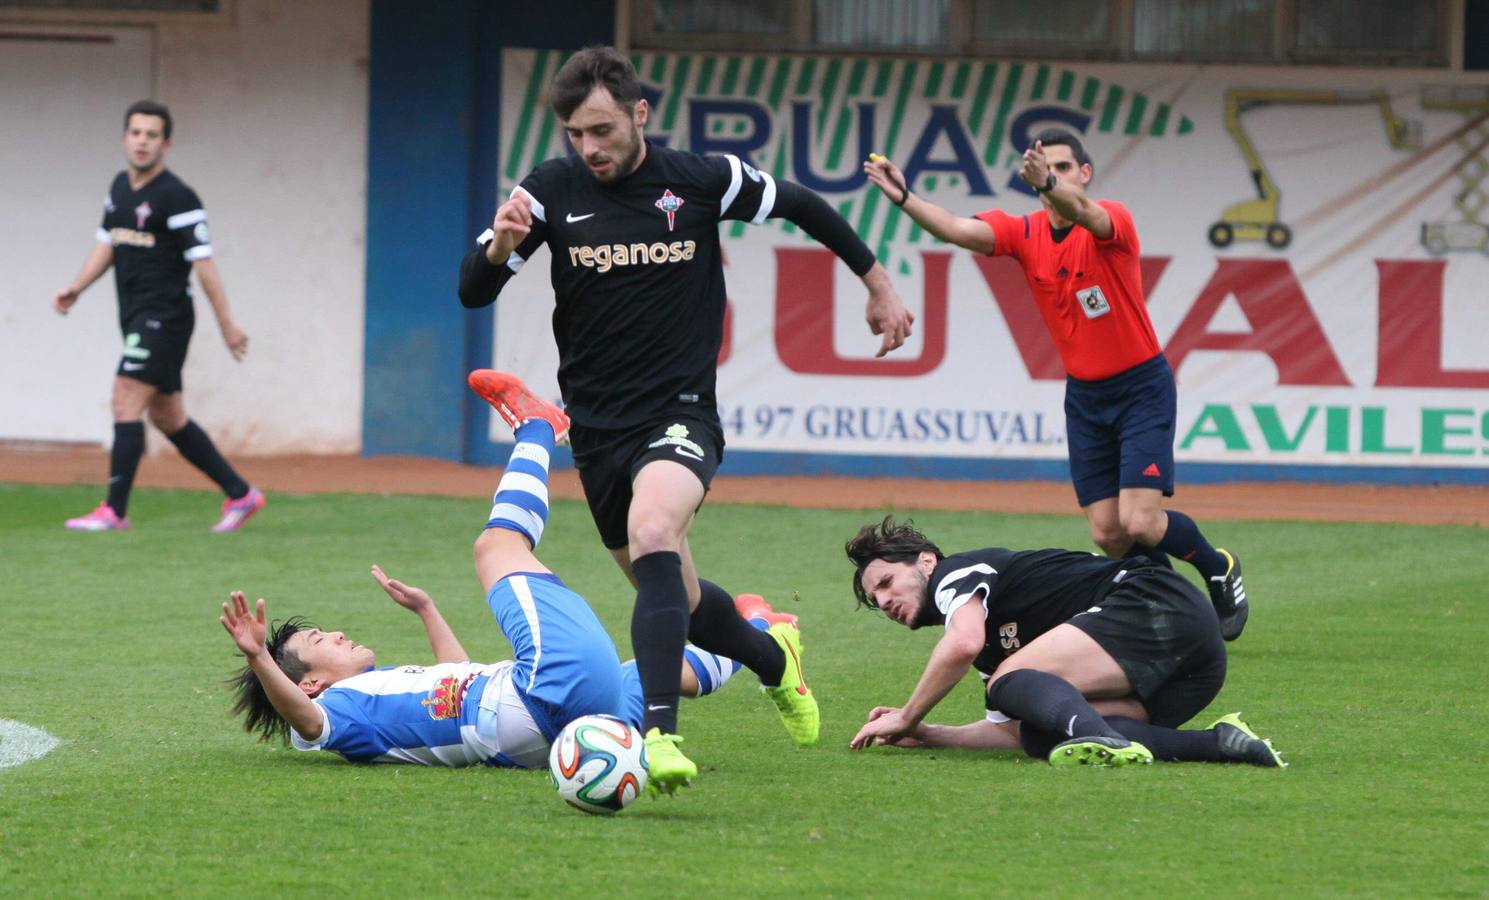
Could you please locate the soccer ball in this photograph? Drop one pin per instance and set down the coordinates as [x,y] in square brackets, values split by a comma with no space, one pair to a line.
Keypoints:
[598,764]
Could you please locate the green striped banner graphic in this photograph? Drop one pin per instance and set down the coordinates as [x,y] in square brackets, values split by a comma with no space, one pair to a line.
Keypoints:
[987,98]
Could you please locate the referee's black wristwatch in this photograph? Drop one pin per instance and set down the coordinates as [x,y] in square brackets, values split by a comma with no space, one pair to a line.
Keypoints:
[1049,184]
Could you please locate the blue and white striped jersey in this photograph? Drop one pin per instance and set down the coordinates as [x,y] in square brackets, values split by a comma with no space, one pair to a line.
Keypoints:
[411,714]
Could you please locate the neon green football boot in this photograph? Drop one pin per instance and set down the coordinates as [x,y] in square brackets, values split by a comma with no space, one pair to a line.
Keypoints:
[1100,752]
[666,768]
[1240,744]
[793,699]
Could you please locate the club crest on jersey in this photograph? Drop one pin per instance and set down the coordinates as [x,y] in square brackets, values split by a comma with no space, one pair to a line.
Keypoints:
[141,213]
[669,203]
[446,698]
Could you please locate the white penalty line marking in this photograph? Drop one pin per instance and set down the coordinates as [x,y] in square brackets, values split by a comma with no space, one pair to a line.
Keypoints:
[21,743]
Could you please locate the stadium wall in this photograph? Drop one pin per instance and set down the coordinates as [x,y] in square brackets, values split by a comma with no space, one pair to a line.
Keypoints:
[1313,239]
[307,127]
[270,104]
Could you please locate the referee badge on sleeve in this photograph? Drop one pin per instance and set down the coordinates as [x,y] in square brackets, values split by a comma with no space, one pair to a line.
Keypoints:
[1093,302]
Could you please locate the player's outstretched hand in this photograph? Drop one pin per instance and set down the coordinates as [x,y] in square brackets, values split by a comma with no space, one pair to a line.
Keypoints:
[886,313]
[513,221]
[236,340]
[63,300]
[886,727]
[887,177]
[405,595]
[248,629]
[1035,169]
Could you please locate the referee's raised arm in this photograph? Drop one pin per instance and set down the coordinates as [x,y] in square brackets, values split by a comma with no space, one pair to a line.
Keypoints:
[963,231]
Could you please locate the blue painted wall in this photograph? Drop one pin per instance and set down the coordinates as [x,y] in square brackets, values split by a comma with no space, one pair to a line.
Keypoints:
[432,158]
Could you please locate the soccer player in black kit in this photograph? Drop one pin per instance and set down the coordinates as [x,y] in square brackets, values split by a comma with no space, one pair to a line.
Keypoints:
[638,275]
[154,233]
[1087,660]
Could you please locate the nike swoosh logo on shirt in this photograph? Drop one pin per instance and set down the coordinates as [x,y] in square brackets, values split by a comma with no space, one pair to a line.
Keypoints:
[573,218]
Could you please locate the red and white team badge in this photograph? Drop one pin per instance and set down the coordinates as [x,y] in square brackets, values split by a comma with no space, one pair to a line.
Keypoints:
[141,213]
[669,204]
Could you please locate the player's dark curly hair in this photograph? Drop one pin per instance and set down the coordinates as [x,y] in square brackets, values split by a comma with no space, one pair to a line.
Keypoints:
[1052,136]
[150,108]
[589,68]
[889,541]
[253,701]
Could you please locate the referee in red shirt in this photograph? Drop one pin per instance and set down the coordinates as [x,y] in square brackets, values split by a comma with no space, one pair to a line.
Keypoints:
[1080,257]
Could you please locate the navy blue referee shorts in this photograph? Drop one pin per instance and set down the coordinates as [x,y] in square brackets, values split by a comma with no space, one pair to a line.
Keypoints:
[1120,431]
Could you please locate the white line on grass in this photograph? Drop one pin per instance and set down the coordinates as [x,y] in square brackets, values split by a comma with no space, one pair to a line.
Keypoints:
[20,743]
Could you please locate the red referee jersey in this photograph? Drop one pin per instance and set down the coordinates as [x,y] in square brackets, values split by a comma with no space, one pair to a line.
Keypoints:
[1090,291]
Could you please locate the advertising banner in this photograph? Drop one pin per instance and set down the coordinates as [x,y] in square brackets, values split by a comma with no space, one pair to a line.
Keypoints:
[1315,248]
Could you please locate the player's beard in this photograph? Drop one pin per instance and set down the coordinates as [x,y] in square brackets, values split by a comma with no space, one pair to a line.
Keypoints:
[626,163]
[927,614]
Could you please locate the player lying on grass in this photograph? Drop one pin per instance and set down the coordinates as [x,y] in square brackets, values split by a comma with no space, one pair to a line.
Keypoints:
[1052,631]
[325,692]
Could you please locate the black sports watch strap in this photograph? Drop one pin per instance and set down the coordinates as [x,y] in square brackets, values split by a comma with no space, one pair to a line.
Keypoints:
[1049,184]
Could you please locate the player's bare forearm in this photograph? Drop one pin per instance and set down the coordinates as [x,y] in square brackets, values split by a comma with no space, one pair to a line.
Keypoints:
[979,735]
[100,258]
[447,648]
[249,628]
[949,661]
[967,233]
[211,278]
[285,696]
[970,234]
[417,601]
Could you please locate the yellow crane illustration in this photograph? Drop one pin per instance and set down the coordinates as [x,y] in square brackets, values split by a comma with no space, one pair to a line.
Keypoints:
[1258,220]
[1467,233]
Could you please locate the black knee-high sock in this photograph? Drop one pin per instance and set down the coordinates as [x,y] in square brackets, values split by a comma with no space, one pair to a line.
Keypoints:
[1171,744]
[1036,741]
[124,461]
[717,627]
[1182,539]
[1047,702]
[199,450]
[659,629]
[1152,554]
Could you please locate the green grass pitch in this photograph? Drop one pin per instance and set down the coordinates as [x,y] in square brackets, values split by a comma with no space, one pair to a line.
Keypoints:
[1363,660]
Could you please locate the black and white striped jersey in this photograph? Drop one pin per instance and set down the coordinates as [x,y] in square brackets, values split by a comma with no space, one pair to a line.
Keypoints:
[157,233]
[638,276]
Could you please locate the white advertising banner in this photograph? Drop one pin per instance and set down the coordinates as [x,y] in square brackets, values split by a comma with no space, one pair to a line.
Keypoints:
[1315,251]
